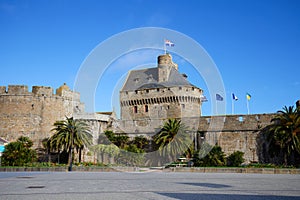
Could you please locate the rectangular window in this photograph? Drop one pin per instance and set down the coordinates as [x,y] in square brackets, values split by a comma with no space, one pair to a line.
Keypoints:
[146,108]
[135,110]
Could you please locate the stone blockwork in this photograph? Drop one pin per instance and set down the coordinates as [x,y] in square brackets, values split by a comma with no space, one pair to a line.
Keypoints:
[231,132]
[235,133]
[159,93]
[32,114]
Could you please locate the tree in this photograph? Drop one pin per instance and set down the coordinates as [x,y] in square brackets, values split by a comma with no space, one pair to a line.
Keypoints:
[70,134]
[19,153]
[283,135]
[120,140]
[172,140]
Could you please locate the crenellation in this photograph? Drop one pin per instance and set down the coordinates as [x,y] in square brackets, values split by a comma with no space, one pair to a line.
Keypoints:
[23,112]
[42,91]
[3,90]
[17,89]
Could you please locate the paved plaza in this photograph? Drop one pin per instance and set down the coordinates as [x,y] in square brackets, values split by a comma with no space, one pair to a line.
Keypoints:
[147,185]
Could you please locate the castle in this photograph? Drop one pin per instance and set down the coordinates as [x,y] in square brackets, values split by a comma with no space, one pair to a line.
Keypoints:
[150,96]
[147,98]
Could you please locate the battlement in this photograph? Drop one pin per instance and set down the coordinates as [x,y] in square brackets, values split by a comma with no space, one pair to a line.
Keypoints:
[233,123]
[42,91]
[17,89]
[62,91]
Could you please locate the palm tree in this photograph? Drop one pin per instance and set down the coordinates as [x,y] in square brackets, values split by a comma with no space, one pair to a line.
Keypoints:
[283,135]
[70,134]
[172,140]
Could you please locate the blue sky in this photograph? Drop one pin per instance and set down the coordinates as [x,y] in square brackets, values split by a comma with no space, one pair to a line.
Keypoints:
[254,44]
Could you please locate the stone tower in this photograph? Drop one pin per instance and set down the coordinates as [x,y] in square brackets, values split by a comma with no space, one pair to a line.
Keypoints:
[154,94]
[165,64]
[32,114]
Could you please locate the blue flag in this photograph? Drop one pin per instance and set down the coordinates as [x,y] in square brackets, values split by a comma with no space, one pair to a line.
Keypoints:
[234,97]
[219,97]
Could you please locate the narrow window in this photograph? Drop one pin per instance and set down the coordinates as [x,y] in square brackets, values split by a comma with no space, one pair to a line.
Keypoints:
[135,109]
[241,118]
[146,108]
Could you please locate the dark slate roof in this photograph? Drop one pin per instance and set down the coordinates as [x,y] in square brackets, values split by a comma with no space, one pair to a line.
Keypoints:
[148,79]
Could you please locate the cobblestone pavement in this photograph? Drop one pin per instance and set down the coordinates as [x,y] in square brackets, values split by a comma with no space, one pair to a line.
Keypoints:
[147,185]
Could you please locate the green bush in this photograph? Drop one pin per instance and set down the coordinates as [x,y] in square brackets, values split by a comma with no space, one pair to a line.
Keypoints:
[19,153]
[214,158]
[235,159]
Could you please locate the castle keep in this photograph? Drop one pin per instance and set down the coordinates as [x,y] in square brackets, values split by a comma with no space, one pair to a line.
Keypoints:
[152,95]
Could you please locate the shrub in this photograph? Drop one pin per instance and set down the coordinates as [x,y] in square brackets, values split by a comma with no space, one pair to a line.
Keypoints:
[19,153]
[214,158]
[235,159]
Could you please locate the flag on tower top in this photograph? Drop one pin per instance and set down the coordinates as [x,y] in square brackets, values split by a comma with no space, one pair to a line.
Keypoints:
[169,43]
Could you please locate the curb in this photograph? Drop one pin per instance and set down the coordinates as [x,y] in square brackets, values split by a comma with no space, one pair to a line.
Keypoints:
[171,169]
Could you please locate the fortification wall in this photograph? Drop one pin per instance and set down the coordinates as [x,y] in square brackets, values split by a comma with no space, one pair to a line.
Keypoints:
[239,133]
[231,132]
[33,113]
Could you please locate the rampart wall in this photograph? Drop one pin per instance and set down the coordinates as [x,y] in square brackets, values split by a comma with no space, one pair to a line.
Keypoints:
[231,132]
[33,113]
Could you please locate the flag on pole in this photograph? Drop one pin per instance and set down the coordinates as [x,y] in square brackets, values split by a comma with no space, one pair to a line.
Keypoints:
[234,97]
[169,43]
[248,96]
[203,98]
[219,97]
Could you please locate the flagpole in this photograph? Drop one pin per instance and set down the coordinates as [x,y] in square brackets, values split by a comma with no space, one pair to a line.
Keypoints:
[232,106]
[216,106]
[248,106]
[165,47]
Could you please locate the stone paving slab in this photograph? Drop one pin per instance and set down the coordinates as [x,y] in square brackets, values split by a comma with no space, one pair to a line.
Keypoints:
[147,185]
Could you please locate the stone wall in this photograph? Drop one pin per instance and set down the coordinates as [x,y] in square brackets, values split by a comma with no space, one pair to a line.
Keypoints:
[161,103]
[235,133]
[231,132]
[32,114]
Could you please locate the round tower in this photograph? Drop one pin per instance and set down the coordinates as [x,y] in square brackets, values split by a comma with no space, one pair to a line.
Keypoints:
[165,64]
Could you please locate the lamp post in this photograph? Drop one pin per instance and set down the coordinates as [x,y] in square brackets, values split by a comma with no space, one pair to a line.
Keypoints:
[71,152]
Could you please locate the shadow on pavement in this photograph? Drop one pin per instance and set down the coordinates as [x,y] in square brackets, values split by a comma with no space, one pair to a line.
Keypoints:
[209,185]
[197,196]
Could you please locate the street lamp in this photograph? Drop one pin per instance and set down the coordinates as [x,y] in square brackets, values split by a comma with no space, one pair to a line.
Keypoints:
[71,152]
